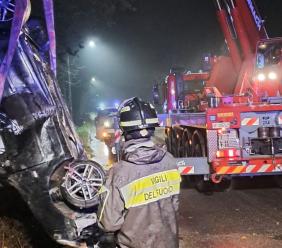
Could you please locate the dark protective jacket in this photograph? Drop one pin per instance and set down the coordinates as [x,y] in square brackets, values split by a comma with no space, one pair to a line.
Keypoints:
[141,202]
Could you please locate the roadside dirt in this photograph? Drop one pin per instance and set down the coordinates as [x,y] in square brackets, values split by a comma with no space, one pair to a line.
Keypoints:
[18,228]
[247,218]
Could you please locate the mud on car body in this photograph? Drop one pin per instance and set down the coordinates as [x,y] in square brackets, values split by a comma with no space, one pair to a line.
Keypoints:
[42,157]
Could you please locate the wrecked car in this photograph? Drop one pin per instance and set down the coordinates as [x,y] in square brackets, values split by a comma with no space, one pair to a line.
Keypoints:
[41,155]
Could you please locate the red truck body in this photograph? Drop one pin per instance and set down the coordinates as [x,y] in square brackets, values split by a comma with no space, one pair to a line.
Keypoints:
[227,121]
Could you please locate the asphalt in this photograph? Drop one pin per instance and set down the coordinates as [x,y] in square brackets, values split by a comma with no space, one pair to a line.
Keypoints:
[249,217]
[246,215]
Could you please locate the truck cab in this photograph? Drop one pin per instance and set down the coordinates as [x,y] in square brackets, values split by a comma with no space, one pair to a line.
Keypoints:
[104,123]
[268,67]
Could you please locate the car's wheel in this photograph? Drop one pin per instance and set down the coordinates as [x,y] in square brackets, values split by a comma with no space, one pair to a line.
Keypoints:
[7,11]
[81,184]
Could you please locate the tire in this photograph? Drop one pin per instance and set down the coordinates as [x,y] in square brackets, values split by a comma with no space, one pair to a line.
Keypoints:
[198,145]
[202,186]
[81,184]
[198,150]
[6,23]
[278,181]
[176,143]
[224,185]
[186,148]
[168,140]
[184,152]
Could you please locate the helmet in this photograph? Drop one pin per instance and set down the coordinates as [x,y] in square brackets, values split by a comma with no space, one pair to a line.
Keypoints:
[136,114]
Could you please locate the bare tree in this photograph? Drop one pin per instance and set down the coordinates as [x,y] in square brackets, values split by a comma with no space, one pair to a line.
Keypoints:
[77,21]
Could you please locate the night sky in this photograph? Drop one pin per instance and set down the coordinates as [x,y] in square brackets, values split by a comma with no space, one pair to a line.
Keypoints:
[141,46]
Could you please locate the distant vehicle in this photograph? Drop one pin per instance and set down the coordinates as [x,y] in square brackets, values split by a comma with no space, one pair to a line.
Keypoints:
[104,123]
[105,130]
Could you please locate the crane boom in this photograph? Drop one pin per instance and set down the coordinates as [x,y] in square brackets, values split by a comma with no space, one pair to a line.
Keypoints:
[241,32]
[230,41]
[253,22]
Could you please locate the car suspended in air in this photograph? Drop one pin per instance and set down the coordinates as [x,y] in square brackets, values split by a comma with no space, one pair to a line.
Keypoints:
[41,156]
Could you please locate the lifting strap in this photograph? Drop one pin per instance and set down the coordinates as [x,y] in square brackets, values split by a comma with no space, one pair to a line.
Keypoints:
[50,24]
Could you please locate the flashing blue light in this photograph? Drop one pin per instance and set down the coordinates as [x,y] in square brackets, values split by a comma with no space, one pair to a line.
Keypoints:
[116,105]
[102,106]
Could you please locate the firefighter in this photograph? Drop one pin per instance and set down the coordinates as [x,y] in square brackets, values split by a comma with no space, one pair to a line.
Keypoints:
[140,202]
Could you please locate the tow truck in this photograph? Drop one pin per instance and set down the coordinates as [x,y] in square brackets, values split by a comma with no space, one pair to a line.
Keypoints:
[107,131]
[226,120]
[104,123]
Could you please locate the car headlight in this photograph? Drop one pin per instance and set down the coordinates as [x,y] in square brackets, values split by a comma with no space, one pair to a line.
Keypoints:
[261,77]
[106,151]
[272,75]
[107,124]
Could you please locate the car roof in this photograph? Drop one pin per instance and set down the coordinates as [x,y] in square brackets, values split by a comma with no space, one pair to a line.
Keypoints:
[107,111]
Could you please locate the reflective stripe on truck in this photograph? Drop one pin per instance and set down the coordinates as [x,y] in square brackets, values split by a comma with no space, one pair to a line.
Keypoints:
[248,169]
[193,166]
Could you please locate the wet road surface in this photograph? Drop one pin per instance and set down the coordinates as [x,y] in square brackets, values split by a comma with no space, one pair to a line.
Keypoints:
[245,218]
[248,215]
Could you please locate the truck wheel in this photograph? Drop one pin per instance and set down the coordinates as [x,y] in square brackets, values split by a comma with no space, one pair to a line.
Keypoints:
[223,185]
[185,150]
[176,143]
[203,186]
[198,145]
[278,181]
[198,150]
[168,140]
[172,142]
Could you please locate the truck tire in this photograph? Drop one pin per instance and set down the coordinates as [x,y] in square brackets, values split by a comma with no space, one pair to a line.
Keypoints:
[278,180]
[186,141]
[168,140]
[198,145]
[176,143]
[198,150]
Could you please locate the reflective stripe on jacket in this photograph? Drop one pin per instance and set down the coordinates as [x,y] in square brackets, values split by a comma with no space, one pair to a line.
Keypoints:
[141,201]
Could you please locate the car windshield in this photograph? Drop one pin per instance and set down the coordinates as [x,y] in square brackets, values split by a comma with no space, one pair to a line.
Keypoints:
[194,86]
[107,112]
